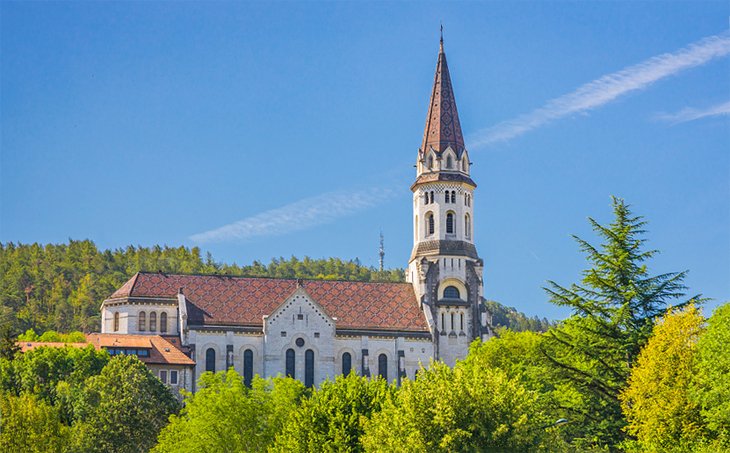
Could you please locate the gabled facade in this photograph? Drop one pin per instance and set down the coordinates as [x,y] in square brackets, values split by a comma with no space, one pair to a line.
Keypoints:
[315,330]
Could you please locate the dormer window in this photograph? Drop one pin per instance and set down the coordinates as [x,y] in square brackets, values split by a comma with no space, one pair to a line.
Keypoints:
[429,162]
[449,163]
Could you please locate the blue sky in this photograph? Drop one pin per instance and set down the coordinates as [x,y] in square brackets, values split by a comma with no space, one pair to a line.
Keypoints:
[295,127]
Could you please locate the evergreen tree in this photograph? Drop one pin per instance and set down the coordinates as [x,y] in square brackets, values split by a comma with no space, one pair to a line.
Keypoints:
[614,309]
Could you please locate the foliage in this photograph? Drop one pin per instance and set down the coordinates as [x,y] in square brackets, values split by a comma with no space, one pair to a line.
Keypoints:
[656,402]
[226,416]
[31,425]
[711,388]
[467,408]
[333,418]
[504,317]
[613,314]
[60,286]
[51,336]
[122,409]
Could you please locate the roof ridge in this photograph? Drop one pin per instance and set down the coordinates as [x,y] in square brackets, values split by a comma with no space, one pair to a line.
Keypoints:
[197,274]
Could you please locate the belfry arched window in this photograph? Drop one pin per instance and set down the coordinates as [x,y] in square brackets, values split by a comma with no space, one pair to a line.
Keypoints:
[425,198]
[383,366]
[163,322]
[116,321]
[453,196]
[467,225]
[290,370]
[446,196]
[346,363]
[430,226]
[142,322]
[450,223]
[153,321]
[210,360]
[449,163]
[432,196]
[451,292]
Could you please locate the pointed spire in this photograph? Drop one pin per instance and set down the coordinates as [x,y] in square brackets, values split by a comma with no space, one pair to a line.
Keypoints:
[442,123]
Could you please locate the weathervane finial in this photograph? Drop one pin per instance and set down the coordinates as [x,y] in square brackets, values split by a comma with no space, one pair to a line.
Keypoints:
[441,42]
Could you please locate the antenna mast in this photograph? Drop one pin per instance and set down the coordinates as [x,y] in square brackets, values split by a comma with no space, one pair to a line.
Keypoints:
[382,251]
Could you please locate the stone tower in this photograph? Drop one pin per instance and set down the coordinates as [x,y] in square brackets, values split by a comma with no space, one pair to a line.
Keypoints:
[444,268]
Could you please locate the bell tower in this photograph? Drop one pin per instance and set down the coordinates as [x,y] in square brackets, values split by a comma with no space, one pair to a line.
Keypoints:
[444,268]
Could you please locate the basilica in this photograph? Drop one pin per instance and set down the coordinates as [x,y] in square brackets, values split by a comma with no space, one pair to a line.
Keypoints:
[312,330]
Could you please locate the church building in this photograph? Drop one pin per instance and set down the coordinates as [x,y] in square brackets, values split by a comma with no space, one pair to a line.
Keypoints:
[313,330]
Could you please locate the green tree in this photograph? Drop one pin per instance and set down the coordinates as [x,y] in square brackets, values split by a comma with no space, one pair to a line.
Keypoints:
[333,418]
[468,408]
[226,416]
[122,409]
[711,387]
[656,402]
[614,309]
[31,425]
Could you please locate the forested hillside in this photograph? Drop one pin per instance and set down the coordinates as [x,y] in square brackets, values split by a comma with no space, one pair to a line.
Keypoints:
[60,286]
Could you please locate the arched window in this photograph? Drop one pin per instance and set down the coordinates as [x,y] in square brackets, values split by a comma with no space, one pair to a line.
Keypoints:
[153,321]
[309,368]
[142,323]
[467,225]
[446,196]
[432,196]
[290,371]
[452,321]
[247,367]
[443,323]
[451,292]
[429,224]
[383,366]
[429,162]
[453,196]
[209,359]
[462,322]
[425,196]
[450,223]
[163,322]
[449,162]
[116,321]
[346,363]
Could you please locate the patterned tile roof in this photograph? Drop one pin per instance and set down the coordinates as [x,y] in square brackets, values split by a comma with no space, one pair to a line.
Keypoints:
[243,301]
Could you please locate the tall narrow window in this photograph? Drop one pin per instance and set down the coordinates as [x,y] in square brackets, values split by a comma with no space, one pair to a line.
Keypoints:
[290,370]
[116,321]
[467,226]
[429,224]
[429,162]
[446,196]
[449,162]
[432,196]
[461,324]
[425,196]
[209,360]
[450,223]
[153,321]
[346,363]
[443,323]
[453,196]
[309,368]
[383,366]
[163,322]
[452,321]
[142,322]
[247,367]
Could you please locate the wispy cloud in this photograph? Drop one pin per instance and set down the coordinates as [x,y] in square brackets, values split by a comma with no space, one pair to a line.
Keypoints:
[691,114]
[300,215]
[607,88]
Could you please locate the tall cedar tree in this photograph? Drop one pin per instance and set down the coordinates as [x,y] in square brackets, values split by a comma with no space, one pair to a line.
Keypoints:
[614,310]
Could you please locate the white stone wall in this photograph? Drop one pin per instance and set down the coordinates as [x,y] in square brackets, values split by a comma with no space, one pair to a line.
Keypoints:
[129,318]
[439,208]
[218,340]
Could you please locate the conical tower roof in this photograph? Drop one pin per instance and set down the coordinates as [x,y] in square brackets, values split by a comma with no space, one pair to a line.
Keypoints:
[442,123]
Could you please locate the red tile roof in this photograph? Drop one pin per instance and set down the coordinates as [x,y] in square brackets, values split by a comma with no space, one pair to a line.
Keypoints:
[243,301]
[162,350]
